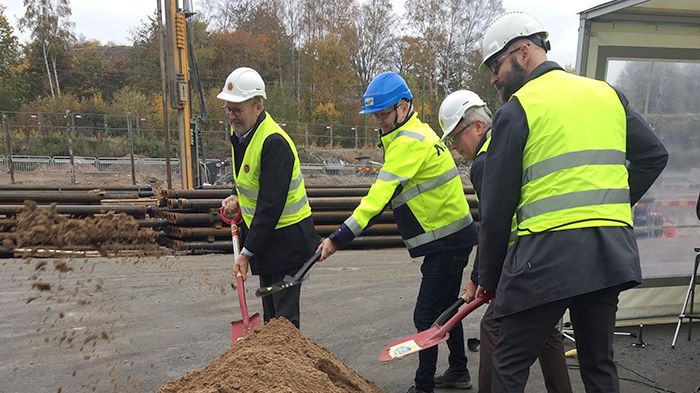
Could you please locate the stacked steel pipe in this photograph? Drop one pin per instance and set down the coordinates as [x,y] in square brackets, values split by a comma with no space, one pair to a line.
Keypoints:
[75,202]
[194,223]
[188,220]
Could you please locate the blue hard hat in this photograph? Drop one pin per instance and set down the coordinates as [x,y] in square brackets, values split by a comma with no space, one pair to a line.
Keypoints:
[385,90]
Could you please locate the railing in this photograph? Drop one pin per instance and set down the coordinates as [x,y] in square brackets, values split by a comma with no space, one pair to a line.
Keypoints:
[86,164]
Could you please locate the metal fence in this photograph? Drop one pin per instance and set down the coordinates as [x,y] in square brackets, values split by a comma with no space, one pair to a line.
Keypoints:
[89,134]
[87,164]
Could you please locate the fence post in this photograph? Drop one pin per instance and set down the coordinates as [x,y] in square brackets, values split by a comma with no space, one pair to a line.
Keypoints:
[70,127]
[330,127]
[6,127]
[306,134]
[131,147]
[356,141]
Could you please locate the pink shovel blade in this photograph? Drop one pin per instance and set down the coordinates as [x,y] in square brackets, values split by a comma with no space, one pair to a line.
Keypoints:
[248,324]
[239,330]
[432,336]
[412,344]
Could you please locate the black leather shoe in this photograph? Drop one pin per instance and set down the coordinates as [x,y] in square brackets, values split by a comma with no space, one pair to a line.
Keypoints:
[453,380]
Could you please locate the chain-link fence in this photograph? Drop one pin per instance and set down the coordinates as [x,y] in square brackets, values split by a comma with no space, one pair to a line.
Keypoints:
[72,142]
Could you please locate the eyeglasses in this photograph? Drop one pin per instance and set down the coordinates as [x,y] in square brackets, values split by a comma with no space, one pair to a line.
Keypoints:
[496,64]
[454,135]
[236,111]
[381,115]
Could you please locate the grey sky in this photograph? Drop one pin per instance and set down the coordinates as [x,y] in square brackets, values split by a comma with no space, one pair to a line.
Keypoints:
[112,21]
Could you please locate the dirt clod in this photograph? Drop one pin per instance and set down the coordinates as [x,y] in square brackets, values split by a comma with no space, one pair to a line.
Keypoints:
[41,285]
[104,233]
[276,358]
[61,266]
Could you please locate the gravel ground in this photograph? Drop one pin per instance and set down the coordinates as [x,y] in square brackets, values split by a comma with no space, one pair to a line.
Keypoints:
[128,325]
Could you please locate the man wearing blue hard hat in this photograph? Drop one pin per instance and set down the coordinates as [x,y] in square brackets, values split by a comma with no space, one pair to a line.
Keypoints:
[420,181]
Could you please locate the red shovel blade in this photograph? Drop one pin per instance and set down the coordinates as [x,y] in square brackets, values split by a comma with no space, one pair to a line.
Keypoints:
[411,344]
[431,337]
[241,328]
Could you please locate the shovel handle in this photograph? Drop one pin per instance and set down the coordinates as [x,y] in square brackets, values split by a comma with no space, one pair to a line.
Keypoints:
[463,312]
[307,266]
[226,219]
[241,301]
[448,312]
[240,288]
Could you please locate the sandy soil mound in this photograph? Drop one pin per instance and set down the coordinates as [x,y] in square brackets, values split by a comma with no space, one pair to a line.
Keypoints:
[276,358]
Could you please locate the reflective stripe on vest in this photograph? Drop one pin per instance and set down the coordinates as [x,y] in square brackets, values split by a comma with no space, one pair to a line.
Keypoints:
[427,237]
[574,173]
[247,179]
[418,189]
[571,160]
[253,194]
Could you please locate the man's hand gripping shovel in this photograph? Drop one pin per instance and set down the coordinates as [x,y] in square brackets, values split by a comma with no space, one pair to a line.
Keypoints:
[436,334]
[289,281]
[243,327]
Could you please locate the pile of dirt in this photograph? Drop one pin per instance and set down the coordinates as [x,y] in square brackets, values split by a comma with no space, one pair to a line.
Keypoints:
[112,231]
[276,358]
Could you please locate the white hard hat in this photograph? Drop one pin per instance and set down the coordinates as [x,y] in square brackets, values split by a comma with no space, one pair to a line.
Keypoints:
[241,85]
[453,108]
[507,28]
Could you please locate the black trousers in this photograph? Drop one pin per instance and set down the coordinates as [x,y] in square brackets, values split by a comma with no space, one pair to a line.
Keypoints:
[284,303]
[552,360]
[439,288]
[523,336]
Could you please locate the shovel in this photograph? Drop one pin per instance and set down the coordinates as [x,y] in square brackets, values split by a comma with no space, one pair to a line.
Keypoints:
[240,328]
[436,334]
[289,281]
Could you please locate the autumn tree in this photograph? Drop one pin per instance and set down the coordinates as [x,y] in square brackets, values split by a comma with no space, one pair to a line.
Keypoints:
[50,26]
[143,61]
[369,40]
[327,78]
[451,30]
[12,76]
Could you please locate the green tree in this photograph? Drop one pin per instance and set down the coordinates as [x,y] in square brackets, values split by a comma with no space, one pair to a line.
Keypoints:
[328,78]
[143,60]
[88,73]
[12,75]
[50,27]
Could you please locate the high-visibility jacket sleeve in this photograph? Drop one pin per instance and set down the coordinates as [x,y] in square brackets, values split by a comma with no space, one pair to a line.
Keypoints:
[403,158]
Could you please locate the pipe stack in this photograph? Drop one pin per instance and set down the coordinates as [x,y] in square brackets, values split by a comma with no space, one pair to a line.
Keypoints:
[188,220]
[194,222]
[72,202]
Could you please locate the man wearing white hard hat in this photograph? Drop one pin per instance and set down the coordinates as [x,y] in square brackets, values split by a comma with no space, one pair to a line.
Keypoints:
[568,157]
[466,128]
[277,231]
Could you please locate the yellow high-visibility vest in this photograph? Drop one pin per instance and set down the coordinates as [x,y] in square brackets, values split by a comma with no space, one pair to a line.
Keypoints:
[574,173]
[296,207]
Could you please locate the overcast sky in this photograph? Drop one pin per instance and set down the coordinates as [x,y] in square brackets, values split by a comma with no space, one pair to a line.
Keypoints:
[112,21]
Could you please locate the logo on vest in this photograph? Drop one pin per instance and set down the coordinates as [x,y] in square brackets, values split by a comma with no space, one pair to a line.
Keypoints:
[246,168]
